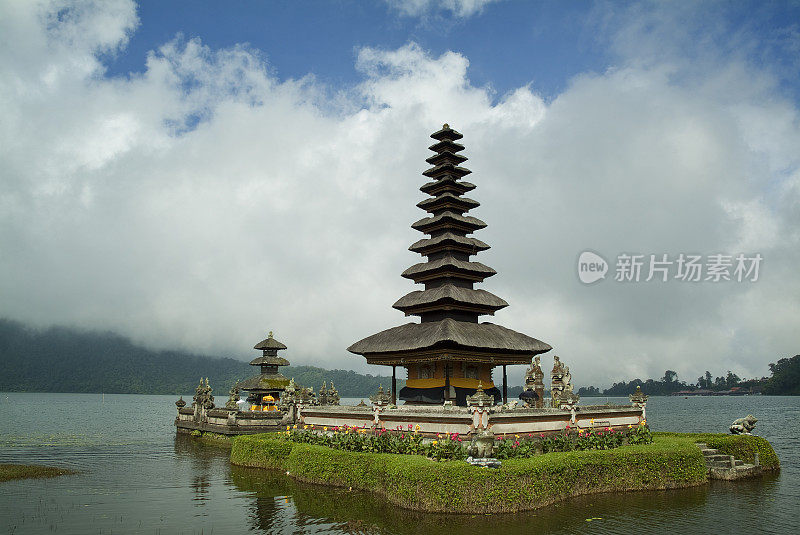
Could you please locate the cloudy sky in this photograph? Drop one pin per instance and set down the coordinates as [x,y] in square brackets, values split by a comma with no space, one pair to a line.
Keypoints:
[192,174]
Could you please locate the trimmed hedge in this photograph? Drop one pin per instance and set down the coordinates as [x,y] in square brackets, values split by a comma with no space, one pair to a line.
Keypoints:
[419,483]
[261,451]
[740,446]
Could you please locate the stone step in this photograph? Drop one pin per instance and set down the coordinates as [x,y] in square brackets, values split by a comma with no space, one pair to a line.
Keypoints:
[718,457]
[719,464]
[702,445]
[709,451]
[739,462]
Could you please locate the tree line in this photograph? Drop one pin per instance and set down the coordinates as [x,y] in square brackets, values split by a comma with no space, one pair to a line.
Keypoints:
[784,380]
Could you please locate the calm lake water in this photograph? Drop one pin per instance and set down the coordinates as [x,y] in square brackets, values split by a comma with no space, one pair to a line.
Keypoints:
[135,476]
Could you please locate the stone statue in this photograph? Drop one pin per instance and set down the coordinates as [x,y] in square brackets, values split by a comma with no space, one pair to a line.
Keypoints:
[233,398]
[558,368]
[743,426]
[561,386]
[482,444]
[202,401]
[322,395]
[307,396]
[333,395]
[533,394]
[289,397]
[208,399]
[556,382]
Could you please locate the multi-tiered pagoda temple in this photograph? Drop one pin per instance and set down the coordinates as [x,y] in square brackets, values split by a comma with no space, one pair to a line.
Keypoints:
[449,353]
[270,382]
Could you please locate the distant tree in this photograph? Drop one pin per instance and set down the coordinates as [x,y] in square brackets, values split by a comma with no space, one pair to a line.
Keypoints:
[670,376]
[589,391]
[720,383]
[731,379]
[785,378]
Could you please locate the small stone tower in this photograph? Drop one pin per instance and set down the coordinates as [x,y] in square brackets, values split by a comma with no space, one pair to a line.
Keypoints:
[269,381]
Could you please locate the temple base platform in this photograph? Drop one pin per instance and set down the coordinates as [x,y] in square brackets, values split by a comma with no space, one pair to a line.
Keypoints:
[227,422]
[465,421]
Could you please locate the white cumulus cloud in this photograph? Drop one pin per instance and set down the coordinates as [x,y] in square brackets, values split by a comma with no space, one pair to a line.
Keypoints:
[205,201]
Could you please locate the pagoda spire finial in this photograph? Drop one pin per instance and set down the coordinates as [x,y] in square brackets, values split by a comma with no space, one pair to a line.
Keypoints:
[445,126]
[270,334]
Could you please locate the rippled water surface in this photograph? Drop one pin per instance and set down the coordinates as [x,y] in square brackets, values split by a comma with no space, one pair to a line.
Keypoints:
[135,476]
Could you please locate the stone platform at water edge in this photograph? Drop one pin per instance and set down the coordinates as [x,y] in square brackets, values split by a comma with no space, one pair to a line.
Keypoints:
[428,420]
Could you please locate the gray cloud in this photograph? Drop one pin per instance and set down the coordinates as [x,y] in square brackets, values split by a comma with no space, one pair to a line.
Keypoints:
[205,202]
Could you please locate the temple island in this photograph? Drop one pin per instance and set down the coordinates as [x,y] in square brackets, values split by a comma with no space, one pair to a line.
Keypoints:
[451,408]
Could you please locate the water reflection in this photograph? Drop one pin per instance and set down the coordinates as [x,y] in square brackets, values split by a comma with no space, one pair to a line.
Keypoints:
[206,460]
[356,512]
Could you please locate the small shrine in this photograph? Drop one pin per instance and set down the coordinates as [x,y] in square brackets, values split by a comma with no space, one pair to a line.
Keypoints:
[269,382]
[449,353]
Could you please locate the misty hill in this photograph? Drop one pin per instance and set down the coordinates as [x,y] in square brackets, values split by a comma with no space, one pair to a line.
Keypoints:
[60,359]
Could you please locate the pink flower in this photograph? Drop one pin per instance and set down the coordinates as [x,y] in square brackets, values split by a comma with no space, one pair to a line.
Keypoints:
[410,427]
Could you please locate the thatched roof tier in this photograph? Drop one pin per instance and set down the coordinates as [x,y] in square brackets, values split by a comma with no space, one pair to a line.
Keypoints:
[447,184]
[448,221]
[446,169]
[446,133]
[269,360]
[446,145]
[448,266]
[450,297]
[448,242]
[482,340]
[265,382]
[448,201]
[269,343]
[446,157]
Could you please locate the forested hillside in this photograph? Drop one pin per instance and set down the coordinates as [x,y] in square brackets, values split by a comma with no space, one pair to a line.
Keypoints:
[68,360]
